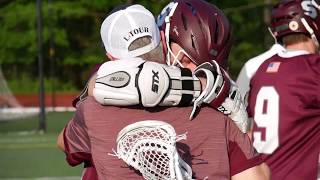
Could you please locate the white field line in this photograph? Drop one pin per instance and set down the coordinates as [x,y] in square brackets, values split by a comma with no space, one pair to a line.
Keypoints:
[7,114]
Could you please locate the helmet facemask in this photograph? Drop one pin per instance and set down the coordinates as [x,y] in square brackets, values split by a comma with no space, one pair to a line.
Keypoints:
[172,59]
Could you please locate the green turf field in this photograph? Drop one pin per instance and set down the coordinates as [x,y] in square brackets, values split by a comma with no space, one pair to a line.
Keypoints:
[27,154]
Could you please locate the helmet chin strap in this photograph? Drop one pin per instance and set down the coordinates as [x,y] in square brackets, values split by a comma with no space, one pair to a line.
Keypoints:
[274,37]
[170,54]
[315,4]
[167,31]
[311,32]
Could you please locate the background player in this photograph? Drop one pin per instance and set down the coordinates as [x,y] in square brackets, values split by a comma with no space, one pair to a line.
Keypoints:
[284,93]
[250,67]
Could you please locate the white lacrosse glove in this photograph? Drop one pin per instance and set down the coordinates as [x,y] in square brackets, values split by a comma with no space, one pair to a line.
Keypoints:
[223,94]
[135,81]
[217,86]
[234,107]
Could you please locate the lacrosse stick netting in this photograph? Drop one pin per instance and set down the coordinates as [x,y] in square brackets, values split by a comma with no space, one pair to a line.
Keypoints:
[150,147]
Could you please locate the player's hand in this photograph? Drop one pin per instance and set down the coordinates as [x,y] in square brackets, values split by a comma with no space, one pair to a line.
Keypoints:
[234,107]
[217,86]
[222,94]
[135,81]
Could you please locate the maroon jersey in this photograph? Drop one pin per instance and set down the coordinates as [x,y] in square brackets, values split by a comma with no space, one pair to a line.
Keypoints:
[284,101]
[77,147]
[214,148]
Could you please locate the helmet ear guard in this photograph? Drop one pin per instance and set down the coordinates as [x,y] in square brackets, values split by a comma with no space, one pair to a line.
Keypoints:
[273,36]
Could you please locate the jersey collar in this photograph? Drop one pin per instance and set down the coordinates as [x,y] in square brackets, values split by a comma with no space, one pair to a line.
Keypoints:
[292,53]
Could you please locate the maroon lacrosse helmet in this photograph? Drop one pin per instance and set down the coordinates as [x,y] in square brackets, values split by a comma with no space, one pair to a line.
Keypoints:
[296,16]
[200,28]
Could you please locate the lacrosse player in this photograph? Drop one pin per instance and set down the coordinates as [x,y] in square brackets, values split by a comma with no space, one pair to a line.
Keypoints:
[232,107]
[242,123]
[74,139]
[100,134]
[284,98]
[208,55]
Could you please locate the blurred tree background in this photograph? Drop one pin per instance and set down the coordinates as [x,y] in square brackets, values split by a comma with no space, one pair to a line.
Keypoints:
[72,45]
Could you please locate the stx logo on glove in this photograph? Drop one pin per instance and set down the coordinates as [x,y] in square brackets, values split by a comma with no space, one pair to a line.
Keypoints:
[224,110]
[155,81]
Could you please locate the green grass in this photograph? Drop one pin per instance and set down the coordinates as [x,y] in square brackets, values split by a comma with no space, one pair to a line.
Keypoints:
[25,153]
[55,122]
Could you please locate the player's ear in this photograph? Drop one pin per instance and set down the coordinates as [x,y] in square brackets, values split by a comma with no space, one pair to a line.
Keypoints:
[187,63]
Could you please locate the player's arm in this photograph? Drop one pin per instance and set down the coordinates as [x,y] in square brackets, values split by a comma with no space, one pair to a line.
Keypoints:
[223,95]
[135,81]
[245,162]
[91,83]
[132,82]
[261,172]
[74,140]
[88,89]
[89,171]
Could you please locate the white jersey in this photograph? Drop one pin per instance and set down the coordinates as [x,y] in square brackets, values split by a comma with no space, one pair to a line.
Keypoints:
[251,66]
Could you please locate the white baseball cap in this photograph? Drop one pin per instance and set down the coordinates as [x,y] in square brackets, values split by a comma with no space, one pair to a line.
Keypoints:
[124,26]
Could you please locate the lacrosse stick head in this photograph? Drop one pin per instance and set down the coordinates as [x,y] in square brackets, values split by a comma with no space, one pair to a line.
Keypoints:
[149,146]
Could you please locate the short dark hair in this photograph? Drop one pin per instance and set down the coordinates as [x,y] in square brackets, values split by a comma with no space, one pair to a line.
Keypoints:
[155,55]
[294,38]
